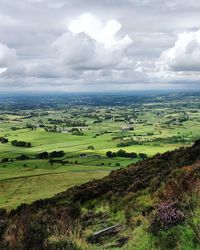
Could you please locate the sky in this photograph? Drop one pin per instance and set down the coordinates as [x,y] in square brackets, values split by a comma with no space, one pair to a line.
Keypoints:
[92,45]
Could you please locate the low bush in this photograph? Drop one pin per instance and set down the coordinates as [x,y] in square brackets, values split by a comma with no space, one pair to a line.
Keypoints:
[167,215]
[21,144]
[3,140]
[22,157]
[5,160]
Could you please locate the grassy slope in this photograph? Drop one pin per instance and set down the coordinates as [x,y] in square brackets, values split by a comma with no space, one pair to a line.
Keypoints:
[127,196]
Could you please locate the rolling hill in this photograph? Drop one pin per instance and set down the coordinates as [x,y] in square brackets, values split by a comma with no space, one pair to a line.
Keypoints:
[153,204]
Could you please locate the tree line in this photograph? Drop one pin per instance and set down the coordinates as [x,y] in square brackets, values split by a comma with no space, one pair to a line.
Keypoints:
[123,153]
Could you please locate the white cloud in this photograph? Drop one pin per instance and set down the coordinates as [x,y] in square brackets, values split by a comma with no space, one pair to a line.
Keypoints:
[2,70]
[185,54]
[102,33]
[7,58]
[91,45]
[119,43]
[74,49]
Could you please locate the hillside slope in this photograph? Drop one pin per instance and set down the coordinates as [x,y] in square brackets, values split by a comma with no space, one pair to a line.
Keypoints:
[153,204]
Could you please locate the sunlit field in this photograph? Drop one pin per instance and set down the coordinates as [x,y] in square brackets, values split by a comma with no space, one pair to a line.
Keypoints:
[85,133]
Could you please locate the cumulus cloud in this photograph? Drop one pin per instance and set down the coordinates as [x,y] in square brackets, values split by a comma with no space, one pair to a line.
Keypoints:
[102,33]
[185,54]
[91,45]
[7,58]
[74,49]
[99,44]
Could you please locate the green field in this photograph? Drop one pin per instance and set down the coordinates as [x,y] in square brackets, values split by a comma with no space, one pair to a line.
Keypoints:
[151,127]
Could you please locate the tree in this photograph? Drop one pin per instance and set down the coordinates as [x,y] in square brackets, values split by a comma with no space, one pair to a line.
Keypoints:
[43,155]
[109,154]
[3,140]
[121,153]
[55,154]
[21,144]
[142,156]
[22,157]
[5,160]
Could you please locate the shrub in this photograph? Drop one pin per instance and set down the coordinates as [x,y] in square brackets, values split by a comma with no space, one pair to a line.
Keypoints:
[78,133]
[109,154]
[21,144]
[167,216]
[22,157]
[2,221]
[97,121]
[43,155]
[30,126]
[5,160]
[61,242]
[3,140]
[123,153]
[56,154]
[142,156]
[35,237]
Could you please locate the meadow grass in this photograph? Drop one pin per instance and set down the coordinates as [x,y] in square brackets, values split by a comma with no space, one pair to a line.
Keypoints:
[28,180]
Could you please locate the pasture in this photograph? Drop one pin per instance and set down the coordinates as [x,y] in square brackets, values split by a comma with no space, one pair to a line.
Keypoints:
[85,131]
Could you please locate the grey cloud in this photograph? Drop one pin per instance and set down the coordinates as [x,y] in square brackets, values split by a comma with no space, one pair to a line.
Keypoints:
[28,28]
[7,56]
